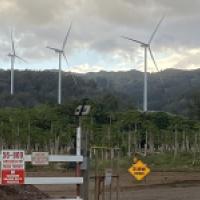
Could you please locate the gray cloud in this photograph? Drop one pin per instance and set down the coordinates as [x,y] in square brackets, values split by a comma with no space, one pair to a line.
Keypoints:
[190,59]
[97,25]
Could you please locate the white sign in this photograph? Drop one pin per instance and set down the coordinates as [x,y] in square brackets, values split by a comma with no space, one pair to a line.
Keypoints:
[40,158]
[108,177]
[12,159]
[78,141]
[12,167]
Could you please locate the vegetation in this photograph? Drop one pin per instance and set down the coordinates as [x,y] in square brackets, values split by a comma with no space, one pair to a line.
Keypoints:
[170,90]
[52,128]
[32,121]
[173,91]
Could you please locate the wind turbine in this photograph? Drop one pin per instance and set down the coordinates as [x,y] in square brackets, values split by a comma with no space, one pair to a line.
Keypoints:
[147,47]
[12,56]
[61,53]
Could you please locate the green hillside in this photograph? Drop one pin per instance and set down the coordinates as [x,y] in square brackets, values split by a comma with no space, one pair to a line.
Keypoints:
[171,90]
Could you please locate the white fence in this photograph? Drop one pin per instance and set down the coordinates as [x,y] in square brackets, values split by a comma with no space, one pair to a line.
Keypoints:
[60,158]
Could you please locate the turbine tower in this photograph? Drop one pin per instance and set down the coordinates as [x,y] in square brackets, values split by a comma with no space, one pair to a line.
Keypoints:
[12,56]
[147,47]
[61,53]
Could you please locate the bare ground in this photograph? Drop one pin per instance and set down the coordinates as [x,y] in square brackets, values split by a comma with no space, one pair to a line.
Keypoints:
[21,192]
[158,185]
[163,193]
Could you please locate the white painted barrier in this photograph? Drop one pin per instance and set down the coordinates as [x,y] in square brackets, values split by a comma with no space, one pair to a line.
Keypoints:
[57,158]
[53,180]
[65,199]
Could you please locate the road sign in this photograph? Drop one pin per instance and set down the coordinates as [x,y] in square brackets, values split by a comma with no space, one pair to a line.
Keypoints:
[40,158]
[12,167]
[139,170]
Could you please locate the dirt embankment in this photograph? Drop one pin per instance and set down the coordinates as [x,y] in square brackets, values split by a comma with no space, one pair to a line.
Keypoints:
[21,192]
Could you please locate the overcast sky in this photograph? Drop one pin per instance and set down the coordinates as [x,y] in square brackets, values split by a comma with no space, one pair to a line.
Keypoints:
[94,42]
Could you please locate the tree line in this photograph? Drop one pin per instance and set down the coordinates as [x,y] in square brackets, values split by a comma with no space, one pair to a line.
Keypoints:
[52,128]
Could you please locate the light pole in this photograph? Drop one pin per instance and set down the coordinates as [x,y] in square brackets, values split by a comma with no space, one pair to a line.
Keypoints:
[82,110]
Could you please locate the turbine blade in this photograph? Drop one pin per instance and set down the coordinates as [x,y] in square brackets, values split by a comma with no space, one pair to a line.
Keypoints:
[73,77]
[66,60]
[66,37]
[156,29]
[20,58]
[51,48]
[137,41]
[155,64]
[12,43]
[153,59]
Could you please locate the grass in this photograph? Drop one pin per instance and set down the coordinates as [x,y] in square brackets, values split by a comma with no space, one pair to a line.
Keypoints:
[166,162]
[157,162]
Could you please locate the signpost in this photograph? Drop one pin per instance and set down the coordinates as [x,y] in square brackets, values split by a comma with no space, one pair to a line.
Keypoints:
[108,177]
[13,167]
[139,170]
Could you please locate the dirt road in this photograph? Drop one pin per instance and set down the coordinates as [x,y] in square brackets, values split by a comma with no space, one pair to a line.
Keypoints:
[158,186]
[163,193]
[180,191]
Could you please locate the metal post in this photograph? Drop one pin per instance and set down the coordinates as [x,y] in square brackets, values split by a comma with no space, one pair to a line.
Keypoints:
[85,168]
[78,153]
[96,178]
[110,190]
[117,165]
[117,191]
[103,188]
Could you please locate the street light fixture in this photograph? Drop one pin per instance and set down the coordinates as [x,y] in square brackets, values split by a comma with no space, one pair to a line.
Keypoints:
[82,110]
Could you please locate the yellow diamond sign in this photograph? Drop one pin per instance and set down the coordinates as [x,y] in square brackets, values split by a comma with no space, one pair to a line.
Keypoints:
[139,170]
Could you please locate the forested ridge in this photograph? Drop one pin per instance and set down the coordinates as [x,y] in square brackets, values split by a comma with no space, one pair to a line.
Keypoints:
[174,91]
[170,90]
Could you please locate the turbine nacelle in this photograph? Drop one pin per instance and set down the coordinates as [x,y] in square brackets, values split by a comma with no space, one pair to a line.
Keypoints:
[145,45]
[11,55]
[55,49]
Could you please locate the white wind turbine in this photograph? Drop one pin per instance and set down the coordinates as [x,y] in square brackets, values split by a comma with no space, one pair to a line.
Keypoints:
[146,46]
[12,56]
[61,53]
